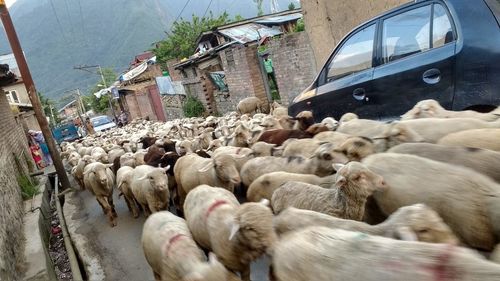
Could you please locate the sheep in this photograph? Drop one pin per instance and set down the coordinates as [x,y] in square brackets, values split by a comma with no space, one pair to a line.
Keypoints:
[432,109]
[348,117]
[279,136]
[478,138]
[249,105]
[345,199]
[324,254]
[183,147]
[330,123]
[240,137]
[192,170]
[123,179]
[99,155]
[335,138]
[433,129]
[263,149]
[362,127]
[173,255]
[277,110]
[77,171]
[304,120]
[139,157]
[99,180]
[395,133]
[237,234]
[481,160]
[320,164]
[153,156]
[264,186]
[149,187]
[466,200]
[415,222]
[115,153]
[73,158]
[354,148]
[147,141]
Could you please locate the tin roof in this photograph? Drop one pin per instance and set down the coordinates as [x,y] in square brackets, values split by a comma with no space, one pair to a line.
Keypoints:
[280,19]
[249,32]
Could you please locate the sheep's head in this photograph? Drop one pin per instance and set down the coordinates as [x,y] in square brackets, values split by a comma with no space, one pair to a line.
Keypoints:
[214,144]
[420,223]
[225,169]
[263,149]
[316,129]
[253,226]
[348,117]
[99,171]
[183,147]
[305,119]
[157,178]
[330,123]
[286,122]
[355,177]
[211,271]
[356,148]
[325,157]
[397,133]
[424,109]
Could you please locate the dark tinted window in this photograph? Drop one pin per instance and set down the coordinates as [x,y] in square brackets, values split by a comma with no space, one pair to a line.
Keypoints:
[355,54]
[406,34]
[442,33]
[495,8]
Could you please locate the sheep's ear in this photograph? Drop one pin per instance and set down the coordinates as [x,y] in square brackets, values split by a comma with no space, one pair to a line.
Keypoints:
[341,181]
[166,168]
[142,178]
[235,227]
[207,167]
[338,166]
[405,233]
[264,202]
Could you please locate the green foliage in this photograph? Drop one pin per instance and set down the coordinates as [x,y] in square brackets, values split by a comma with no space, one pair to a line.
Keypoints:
[260,10]
[300,26]
[238,17]
[28,188]
[193,107]
[181,41]
[46,105]
[291,6]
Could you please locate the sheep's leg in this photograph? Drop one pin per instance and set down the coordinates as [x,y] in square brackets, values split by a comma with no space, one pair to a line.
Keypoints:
[245,273]
[113,211]
[131,206]
[152,205]
[146,210]
[157,276]
[107,210]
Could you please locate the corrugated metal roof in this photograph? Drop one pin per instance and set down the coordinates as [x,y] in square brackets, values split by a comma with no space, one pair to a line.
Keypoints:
[280,19]
[249,32]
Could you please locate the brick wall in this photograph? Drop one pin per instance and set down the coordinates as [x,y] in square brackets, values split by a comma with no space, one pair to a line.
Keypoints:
[144,103]
[328,21]
[174,74]
[243,76]
[294,64]
[172,105]
[13,141]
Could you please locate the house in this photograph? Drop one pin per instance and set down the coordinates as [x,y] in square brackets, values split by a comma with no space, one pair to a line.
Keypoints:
[17,95]
[138,92]
[227,65]
[69,110]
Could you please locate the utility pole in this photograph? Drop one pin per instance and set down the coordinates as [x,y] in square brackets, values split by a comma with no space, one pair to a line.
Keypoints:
[30,86]
[84,68]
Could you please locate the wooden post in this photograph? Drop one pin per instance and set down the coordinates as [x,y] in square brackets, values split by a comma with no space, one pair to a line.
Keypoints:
[32,93]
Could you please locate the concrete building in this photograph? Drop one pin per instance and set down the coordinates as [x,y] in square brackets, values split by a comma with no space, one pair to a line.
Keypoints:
[328,21]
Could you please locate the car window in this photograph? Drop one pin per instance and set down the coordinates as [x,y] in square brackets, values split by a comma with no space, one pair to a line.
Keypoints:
[442,33]
[356,54]
[98,121]
[406,34]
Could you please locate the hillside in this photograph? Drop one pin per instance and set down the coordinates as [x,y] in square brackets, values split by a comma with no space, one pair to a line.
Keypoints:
[59,34]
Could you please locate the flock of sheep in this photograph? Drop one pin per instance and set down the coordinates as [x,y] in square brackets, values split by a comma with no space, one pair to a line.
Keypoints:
[354,199]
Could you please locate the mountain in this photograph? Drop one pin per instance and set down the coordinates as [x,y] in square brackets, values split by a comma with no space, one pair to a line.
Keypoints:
[57,35]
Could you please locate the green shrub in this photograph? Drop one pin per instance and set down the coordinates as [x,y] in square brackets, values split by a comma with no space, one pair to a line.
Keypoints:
[300,26]
[193,107]
[28,188]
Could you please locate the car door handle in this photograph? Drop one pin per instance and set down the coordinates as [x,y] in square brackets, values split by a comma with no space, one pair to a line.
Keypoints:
[359,94]
[432,76]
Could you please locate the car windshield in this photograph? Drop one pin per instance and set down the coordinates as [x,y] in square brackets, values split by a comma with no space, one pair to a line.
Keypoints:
[101,120]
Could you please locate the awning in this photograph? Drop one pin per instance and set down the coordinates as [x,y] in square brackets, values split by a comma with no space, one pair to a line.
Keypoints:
[138,70]
[249,32]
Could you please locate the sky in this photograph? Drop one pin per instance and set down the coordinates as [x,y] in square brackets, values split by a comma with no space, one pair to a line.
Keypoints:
[9,2]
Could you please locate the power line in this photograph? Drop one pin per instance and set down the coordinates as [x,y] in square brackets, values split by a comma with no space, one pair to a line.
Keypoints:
[58,22]
[183,8]
[83,24]
[69,20]
[208,7]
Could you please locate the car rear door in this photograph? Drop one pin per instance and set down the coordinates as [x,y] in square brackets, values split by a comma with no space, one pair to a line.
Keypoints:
[345,81]
[415,58]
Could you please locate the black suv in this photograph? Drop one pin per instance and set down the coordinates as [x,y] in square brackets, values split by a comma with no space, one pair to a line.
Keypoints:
[447,50]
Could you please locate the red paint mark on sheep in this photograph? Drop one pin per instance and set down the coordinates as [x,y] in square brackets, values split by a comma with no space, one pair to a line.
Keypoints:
[214,206]
[172,241]
[442,271]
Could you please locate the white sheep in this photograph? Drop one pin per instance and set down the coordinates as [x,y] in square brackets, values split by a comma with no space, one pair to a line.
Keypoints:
[324,254]
[149,186]
[237,234]
[432,109]
[77,171]
[124,177]
[345,199]
[478,138]
[466,200]
[172,253]
[99,180]
[415,222]
[264,186]
[249,105]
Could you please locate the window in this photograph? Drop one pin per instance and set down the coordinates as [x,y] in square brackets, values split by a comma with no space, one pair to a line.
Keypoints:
[14,96]
[406,34]
[355,55]
[442,33]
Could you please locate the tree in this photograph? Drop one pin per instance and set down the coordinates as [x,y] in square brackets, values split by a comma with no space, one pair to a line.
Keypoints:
[238,17]
[291,6]
[260,10]
[47,104]
[181,41]
[102,104]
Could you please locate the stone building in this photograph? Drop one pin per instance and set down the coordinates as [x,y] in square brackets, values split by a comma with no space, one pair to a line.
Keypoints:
[13,150]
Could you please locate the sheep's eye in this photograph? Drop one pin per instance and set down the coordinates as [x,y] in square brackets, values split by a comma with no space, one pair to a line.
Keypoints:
[422,231]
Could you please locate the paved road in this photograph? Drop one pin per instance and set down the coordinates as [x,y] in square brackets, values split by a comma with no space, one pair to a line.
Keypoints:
[115,253]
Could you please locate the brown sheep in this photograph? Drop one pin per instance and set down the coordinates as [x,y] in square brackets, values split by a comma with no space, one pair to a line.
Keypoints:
[304,120]
[279,136]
